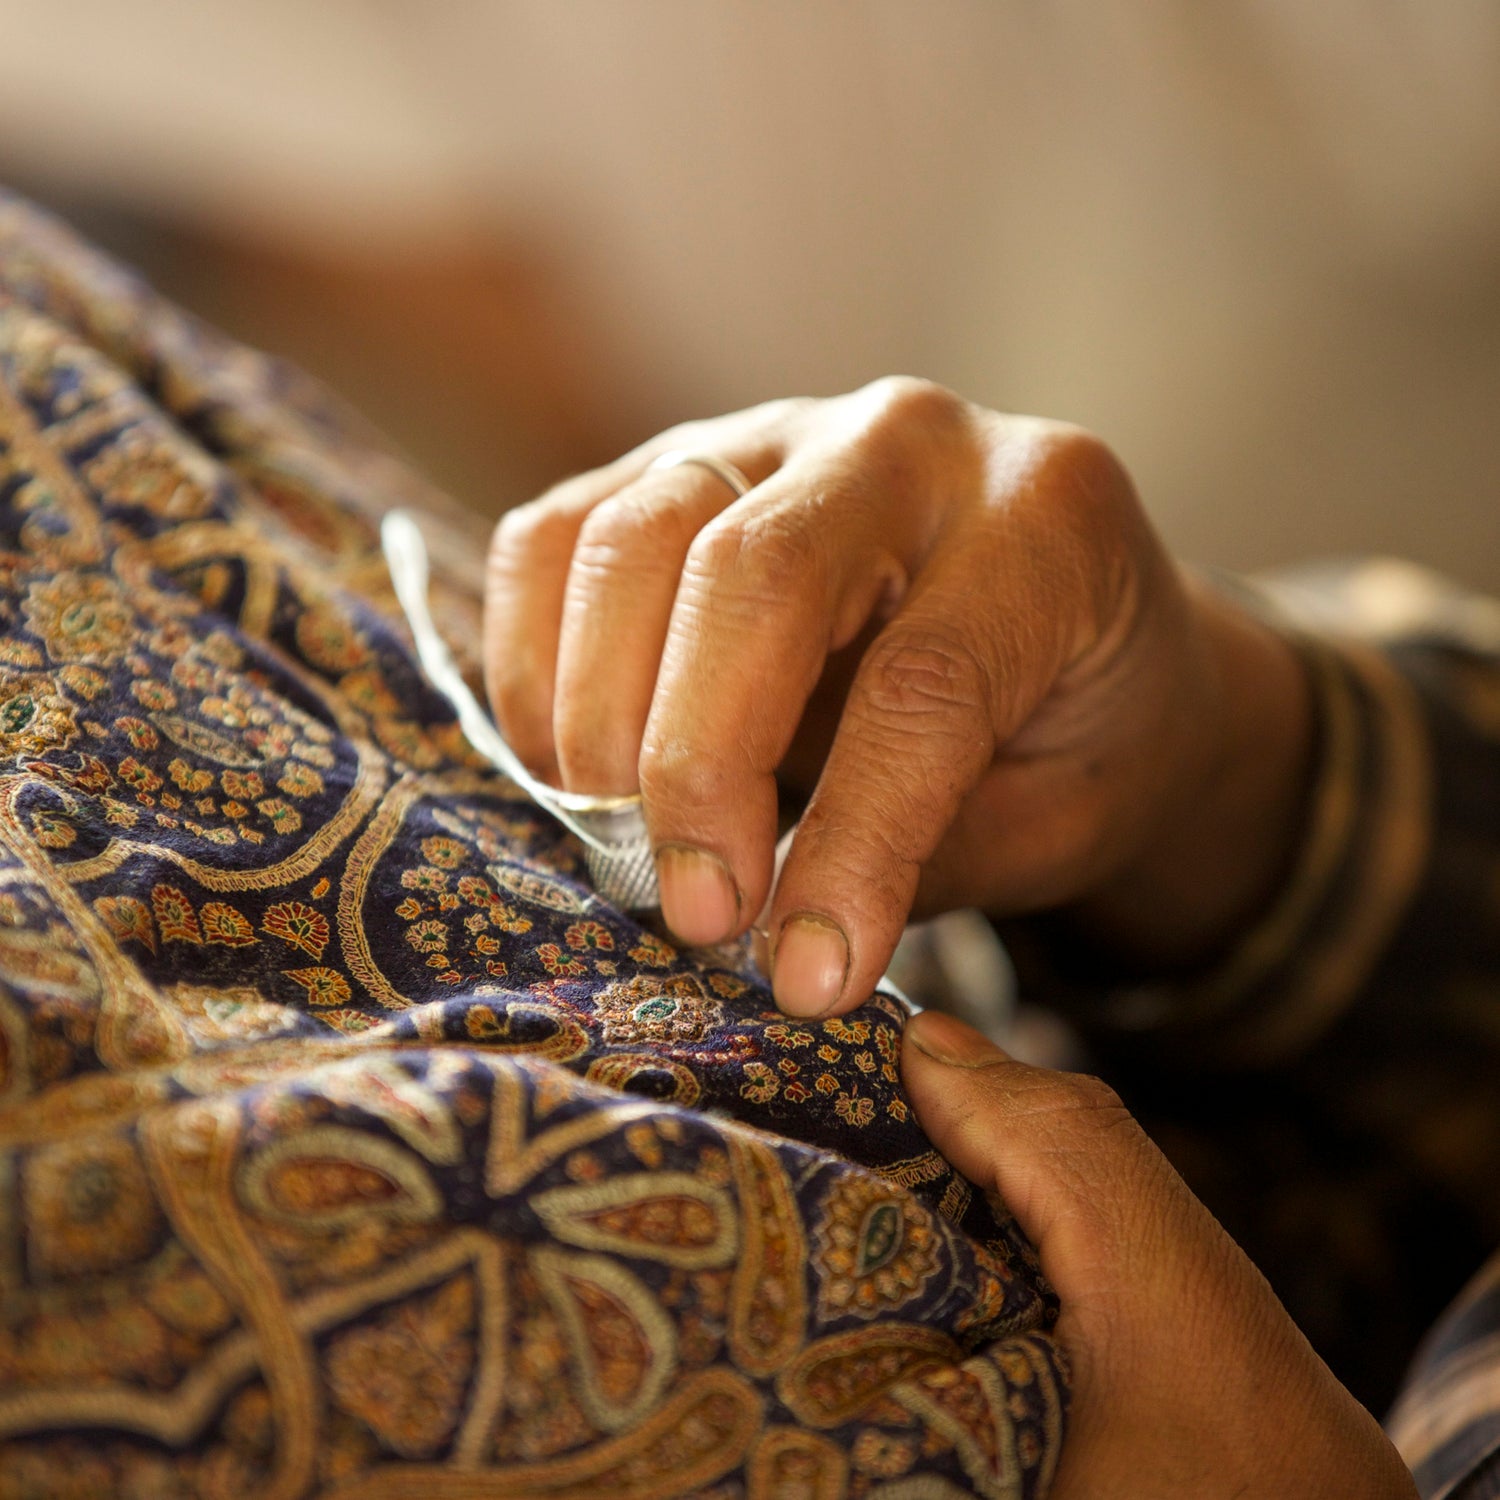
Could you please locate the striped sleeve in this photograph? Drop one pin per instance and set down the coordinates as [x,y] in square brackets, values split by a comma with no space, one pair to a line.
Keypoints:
[1372,982]
[1447,1422]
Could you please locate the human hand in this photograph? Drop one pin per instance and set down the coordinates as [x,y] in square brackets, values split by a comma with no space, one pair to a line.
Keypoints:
[954,630]
[1189,1379]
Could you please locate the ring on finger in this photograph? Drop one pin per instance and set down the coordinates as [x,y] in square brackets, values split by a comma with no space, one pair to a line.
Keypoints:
[721,467]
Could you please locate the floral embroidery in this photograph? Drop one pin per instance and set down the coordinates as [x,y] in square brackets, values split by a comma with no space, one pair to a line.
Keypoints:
[138,471]
[556,962]
[298,924]
[140,777]
[843,1030]
[352,1021]
[138,732]
[34,716]
[588,935]
[216,1013]
[446,853]
[507,918]
[20,653]
[854,1109]
[428,937]
[660,1011]
[283,817]
[788,1036]
[128,919]
[328,639]
[90,1207]
[300,781]
[153,695]
[243,786]
[190,778]
[52,831]
[323,986]
[174,915]
[875,1248]
[80,617]
[761,1085]
[84,681]
[221,923]
[654,952]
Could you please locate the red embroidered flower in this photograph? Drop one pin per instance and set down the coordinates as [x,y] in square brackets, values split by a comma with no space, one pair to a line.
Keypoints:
[300,925]
[174,915]
[221,923]
[584,935]
[140,778]
[127,919]
[323,986]
[555,961]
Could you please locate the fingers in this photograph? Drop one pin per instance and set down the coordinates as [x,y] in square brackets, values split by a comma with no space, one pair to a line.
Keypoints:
[939,689]
[533,625]
[621,583]
[525,586]
[767,590]
[1189,1379]
[1092,1192]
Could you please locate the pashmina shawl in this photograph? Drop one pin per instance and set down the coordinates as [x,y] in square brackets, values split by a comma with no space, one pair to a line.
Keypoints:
[350,1145]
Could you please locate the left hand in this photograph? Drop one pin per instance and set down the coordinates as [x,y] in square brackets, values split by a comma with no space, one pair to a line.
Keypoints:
[1190,1382]
[954,630]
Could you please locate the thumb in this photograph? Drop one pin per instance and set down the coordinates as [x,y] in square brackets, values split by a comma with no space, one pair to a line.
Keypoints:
[1063,1153]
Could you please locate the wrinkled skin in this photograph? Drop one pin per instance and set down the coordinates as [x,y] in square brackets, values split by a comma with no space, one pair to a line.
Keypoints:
[953,635]
[1189,1380]
[952,631]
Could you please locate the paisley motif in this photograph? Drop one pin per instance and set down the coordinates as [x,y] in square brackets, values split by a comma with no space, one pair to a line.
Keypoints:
[328,1177]
[876,1249]
[671,1217]
[350,1145]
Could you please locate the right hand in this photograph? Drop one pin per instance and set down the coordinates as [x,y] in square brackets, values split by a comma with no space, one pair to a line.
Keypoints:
[953,630]
[1189,1380]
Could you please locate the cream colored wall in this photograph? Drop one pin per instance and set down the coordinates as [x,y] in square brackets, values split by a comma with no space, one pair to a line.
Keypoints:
[1255,244]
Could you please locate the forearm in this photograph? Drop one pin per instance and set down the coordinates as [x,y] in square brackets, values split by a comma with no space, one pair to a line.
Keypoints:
[1225,843]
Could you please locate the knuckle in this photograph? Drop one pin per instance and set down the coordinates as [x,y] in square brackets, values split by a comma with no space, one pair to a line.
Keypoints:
[677,772]
[1078,1106]
[912,400]
[612,535]
[1092,1099]
[1079,474]
[753,557]
[901,427]
[527,533]
[923,673]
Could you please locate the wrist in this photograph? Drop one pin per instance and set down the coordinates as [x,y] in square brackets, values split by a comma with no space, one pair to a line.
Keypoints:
[1227,834]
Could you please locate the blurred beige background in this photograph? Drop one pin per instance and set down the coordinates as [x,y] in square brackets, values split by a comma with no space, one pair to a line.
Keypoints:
[1254,244]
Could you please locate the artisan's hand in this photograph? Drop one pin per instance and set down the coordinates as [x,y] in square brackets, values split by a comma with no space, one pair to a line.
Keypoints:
[1189,1379]
[955,630]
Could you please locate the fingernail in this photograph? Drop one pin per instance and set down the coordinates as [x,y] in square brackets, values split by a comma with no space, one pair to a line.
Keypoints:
[810,965]
[699,898]
[947,1040]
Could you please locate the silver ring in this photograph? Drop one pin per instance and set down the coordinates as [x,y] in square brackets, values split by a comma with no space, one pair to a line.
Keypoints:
[715,465]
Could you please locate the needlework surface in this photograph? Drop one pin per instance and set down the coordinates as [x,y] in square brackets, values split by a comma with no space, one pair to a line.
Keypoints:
[349,1144]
